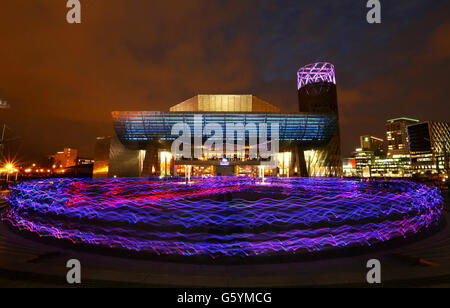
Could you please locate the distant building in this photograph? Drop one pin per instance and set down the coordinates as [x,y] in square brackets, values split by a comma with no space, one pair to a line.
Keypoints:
[367,163]
[4,104]
[429,145]
[396,165]
[371,159]
[364,160]
[84,161]
[413,149]
[66,158]
[372,143]
[397,136]
[349,167]
[101,157]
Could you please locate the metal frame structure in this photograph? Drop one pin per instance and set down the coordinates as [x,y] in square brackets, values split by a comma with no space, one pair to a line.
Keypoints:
[316,73]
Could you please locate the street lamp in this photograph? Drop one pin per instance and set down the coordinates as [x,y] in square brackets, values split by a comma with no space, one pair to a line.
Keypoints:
[8,168]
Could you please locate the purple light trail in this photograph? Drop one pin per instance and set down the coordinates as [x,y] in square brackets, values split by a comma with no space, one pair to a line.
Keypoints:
[224,216]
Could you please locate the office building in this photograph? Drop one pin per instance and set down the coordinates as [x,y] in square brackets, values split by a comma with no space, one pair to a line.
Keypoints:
[429,145]
[66,158]
[373,143]
[397,135]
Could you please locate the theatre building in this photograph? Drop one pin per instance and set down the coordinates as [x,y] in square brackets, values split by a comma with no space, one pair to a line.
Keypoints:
[309,141]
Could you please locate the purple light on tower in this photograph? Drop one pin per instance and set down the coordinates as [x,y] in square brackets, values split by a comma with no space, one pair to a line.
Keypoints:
[316,72]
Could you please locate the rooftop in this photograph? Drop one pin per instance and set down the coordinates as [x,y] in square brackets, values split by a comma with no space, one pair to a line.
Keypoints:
[225,103]
[403,119]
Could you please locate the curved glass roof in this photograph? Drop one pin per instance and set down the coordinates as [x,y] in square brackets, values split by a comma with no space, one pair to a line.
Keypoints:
[140,127]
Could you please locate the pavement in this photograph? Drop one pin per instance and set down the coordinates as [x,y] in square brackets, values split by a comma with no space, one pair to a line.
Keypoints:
[27,261]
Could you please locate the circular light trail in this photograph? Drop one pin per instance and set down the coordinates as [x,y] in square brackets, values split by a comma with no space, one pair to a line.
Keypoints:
[224,216]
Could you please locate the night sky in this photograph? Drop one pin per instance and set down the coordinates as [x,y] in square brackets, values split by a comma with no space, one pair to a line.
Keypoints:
[63,80]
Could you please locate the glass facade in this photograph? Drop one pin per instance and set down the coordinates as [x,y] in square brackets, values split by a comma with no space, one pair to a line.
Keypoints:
[392,166]
[365,163]
[140,129]
[151,133]
[429,145]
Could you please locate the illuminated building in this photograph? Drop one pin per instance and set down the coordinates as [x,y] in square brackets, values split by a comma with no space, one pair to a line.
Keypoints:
[396,165]
[84,161]
[373,143]
[429,145]
[4,104]
[144,140]
[317,93]
[426,152]
[101,157]
[364,159]
[397,136]
[224,103]
[349,167]
[368,164]
[66,158]
[371,160]
[380,165]
[309,142]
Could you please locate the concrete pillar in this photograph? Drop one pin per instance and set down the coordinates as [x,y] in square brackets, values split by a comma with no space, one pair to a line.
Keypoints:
[302,162]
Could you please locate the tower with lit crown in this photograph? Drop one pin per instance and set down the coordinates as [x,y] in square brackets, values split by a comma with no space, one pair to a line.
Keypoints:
[317,94]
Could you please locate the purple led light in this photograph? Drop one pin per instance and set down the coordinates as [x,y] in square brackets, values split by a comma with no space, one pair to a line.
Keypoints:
[314,73]
[224,216]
